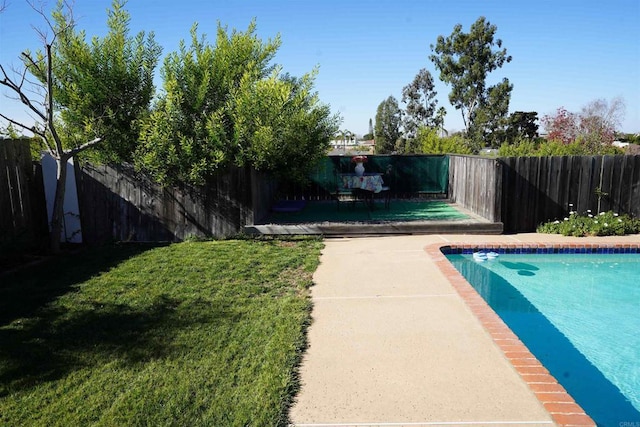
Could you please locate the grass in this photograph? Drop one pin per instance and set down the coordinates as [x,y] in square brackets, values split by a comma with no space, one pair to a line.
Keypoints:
[196,333]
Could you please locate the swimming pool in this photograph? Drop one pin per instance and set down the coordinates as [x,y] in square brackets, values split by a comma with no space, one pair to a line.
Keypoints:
[578,313]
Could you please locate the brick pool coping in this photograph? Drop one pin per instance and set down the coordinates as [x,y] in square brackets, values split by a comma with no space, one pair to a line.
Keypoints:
[555,399]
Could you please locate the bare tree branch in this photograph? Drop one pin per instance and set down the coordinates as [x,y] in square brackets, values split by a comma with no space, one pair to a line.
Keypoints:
[41,68]
[31,62]
[42,133]
[40,10]
[84,146]
[8,82]
[33,129]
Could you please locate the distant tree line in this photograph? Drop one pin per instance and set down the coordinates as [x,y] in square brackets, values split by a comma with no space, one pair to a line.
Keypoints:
[464,60]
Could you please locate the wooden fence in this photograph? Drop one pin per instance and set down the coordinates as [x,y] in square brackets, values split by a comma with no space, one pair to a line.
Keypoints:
[120,204]
[23,215]
[538,189]
[474,183]
[523,192]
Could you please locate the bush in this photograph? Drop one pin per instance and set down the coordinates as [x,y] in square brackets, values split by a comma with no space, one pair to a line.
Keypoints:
[587,224]
[431,143]
[554,148]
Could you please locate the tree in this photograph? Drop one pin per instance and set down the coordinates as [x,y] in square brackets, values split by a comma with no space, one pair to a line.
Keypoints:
[227,104]
[522,125]
[408,145]
[104,87]
[369,136]
[464,61]
[490,121]
[60,95]
[594,127]
[419,96]
[599,120]
[387,128]
[282,124]
[561,126]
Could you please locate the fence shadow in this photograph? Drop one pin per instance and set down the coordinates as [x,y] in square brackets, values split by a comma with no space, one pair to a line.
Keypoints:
[108,215]
[540,189]
[121,204]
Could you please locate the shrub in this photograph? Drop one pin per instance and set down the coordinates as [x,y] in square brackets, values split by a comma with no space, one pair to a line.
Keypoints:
[587,224]
[431,143]
[555,148]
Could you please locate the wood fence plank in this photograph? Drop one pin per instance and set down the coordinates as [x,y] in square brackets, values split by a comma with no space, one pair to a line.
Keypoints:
[634,196]
[22,212]
[606,182]
[616,181]
[626,184]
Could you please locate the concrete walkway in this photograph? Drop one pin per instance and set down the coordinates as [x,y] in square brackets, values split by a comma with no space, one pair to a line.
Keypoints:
[393,344]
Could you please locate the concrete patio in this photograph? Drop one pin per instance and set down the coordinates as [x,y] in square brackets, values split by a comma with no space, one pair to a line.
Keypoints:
[393,343]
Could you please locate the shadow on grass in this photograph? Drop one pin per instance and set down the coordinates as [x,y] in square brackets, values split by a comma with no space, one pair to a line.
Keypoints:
[52,346]
[40,342]
[23,293]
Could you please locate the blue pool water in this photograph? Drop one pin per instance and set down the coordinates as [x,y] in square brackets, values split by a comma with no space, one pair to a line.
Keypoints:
[579,314]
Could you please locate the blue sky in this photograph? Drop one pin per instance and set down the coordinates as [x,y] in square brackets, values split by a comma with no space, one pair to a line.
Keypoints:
[565,53]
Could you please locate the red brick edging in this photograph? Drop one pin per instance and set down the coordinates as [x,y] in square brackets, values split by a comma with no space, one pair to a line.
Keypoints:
[555,399]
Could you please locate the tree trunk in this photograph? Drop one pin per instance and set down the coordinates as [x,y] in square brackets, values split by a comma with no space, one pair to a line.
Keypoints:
[57,214]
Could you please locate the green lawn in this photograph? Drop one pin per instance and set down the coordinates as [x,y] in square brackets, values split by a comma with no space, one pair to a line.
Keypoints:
[196,333]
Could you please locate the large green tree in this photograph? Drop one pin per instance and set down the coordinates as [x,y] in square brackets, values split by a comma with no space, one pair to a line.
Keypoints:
[228,104]
[83,96]
[281,126]
[419,97]
[102,87]
[491,118]
[464,61]
[387,127]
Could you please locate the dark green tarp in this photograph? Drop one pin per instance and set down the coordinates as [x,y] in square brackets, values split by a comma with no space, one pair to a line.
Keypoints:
[405,174]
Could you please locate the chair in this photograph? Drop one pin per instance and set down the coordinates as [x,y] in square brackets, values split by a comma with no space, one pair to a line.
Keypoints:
[341,193]
[386,188]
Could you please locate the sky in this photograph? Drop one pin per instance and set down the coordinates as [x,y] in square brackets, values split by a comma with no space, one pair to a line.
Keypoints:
[566,53]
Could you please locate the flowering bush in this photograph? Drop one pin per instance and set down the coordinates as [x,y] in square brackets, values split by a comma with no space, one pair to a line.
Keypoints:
[602,224]
[359,159]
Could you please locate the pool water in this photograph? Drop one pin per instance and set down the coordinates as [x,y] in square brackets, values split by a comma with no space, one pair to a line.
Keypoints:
[579,314]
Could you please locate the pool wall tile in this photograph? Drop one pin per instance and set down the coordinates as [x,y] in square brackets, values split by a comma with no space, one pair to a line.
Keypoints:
[542,248]
[555,399]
